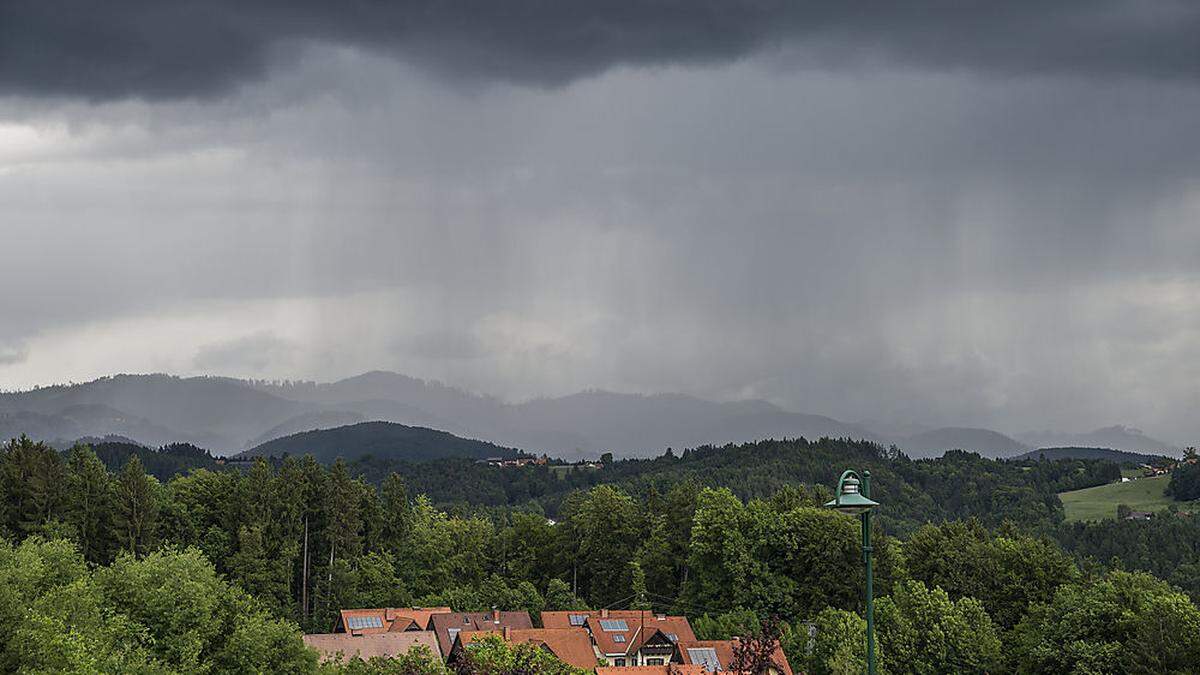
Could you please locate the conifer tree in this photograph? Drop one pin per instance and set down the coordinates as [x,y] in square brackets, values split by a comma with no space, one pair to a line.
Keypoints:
[137,508]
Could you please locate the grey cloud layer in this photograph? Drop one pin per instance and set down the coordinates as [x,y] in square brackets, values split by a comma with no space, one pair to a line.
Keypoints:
[176,48]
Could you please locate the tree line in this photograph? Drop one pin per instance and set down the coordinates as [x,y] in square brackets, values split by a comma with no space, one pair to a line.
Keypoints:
[976,585]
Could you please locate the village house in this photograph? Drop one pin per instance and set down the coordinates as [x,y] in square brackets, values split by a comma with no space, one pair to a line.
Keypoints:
[386,619]
[627,637]
[572,646]
[447,626]
[717,656]
[669,669]
[609,642]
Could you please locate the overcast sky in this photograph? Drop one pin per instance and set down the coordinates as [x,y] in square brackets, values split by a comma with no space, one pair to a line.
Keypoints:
[913,212]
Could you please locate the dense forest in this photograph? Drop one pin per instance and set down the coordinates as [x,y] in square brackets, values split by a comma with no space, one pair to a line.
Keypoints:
[220,567]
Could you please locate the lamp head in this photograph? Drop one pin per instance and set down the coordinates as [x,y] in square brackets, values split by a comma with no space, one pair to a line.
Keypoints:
[849,500]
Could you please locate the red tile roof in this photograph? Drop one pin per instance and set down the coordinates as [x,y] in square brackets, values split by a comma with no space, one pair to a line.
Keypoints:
[640,627]
[442,624]
[724,651]
[330,645]
[386,619]
[571,645]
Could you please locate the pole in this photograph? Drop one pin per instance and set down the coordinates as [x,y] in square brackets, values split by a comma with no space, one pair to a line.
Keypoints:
[866,534]
[304,574]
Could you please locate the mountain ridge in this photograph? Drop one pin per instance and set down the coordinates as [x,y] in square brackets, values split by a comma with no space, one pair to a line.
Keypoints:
[229,415]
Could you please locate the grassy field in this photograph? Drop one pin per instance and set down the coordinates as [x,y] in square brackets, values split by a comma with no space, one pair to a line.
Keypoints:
[1143,494]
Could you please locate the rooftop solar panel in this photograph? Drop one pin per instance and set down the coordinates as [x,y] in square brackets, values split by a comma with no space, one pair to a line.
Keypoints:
[613,625]
[361,622]
[705,656]
[578,619]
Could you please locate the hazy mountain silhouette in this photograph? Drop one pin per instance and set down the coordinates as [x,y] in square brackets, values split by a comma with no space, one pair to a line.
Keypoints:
[212,412]
[1116,437]
[384,440]
[984,441]
[227,415]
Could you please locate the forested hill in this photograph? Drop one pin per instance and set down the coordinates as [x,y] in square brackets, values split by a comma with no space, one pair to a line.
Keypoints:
[386,441]
[1118,456]
[912,492]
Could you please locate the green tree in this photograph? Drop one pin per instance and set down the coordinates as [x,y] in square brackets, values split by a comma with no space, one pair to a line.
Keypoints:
[607,523]
[1124,622]
[839,643]
[921,631]
[137,508]
[1005,572]
[91,508]
[32,480]
[397,512]
[637,587]
[559,598]
[194,621]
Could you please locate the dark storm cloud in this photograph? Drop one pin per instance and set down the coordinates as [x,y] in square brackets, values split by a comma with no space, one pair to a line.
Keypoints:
[178,48]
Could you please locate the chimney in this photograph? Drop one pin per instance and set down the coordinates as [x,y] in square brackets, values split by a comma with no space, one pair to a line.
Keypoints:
[604,613]
[495,615]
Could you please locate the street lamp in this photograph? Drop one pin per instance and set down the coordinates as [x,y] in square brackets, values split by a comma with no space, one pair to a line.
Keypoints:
[853,501]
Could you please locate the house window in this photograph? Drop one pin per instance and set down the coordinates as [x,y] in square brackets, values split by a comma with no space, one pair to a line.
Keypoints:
[578,619]
[673,637]
[705,656]
[619,662]
[614,625]
[655,662]
[618,638]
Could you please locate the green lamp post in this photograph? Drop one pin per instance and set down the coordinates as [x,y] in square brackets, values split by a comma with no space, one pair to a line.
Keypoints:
[853,501]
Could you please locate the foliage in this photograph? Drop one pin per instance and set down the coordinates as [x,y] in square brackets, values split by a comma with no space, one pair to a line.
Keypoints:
[1121,623]
[754,651]
[1185,482]
[789,563]
[921,630]
[1167,546]
[158,572]
[167,612]
[839,645]
[1005,572]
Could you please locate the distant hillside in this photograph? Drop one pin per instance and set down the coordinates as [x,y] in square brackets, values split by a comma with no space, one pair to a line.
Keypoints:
[984,441]
[586,423]
[229,415]
[384,440]
[163,463]
[1118,456]
[1116,437]
[213,412]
